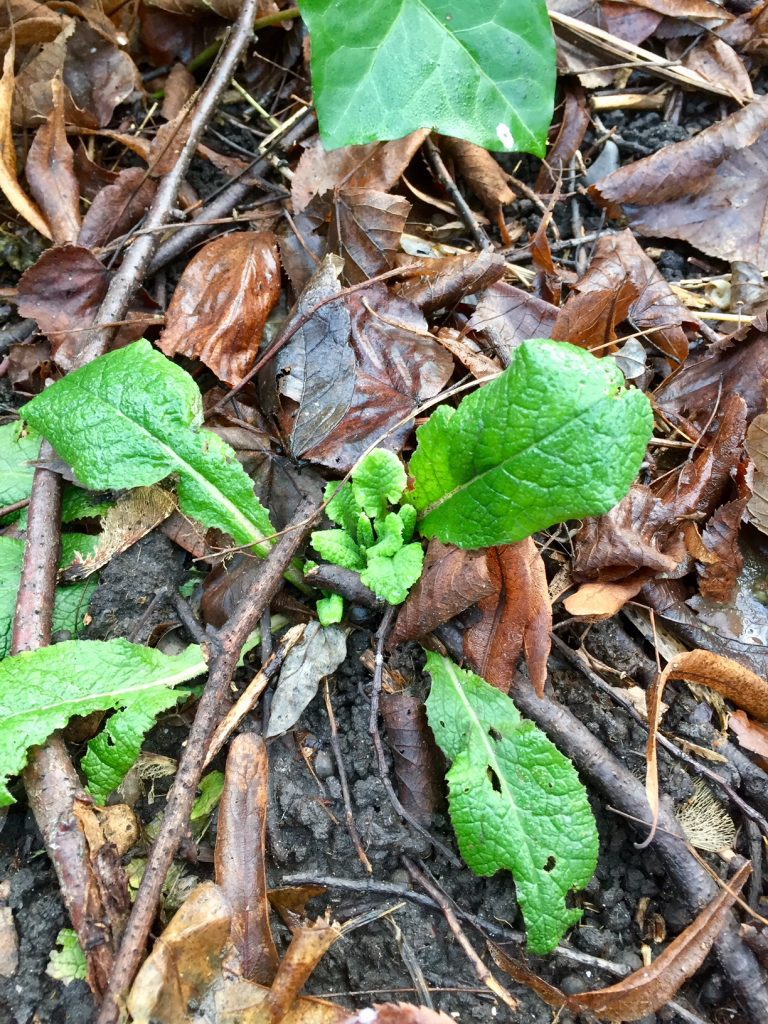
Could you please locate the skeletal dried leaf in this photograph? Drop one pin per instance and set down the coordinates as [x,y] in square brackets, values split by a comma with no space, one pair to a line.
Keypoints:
[705,822]
[516,617]
[222,302]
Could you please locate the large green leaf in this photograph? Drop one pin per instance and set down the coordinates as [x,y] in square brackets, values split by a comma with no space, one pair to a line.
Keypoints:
[71,601]
[482,70]
[41,690]
[515,801]
[555,437]
[131,418]
[16,470]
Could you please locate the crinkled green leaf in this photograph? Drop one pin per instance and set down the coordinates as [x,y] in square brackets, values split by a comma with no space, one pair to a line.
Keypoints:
[71,600]
[389,534]
[67,963]
[477,70]
[41,690]
[390,578]
[408,517]
[79,504]
[132,417]
[114,751]
[380,478]
[337,546]
[555,437]
[365,535]
[330,609]
[17,452]
[516,802]
[342,507]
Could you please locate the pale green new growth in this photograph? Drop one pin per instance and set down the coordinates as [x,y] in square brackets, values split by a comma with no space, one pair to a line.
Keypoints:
[515,801]
[330,609]
[41,690]
[474,70]
[67,963]
[372,540]
[557,436]
[132,418]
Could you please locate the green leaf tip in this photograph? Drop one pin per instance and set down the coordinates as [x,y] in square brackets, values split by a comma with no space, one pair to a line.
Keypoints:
[476,71]
[515,801]
[131,418]
[556,436]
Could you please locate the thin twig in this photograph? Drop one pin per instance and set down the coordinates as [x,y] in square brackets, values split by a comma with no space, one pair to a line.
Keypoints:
[479,967]
[136,262]
[479,235]
[373,729]
[349,816]
[17,506]
[226,648]
[53,787]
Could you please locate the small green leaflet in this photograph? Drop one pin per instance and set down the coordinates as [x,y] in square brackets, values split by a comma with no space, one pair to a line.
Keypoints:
[478,71]
[41,690]
[211,787]
[67,963]
[16,456]
[71,601]
[515,801]
[555,437]
[131,418]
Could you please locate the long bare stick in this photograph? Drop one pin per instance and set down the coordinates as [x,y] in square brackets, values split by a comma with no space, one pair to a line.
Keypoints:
[137,259]
[226,646]
[53,787]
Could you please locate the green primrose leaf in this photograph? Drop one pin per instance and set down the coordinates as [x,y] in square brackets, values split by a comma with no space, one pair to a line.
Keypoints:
[478,71]
[390,536]
[365,535]
[380,478]
[79,504]
[390,578]
[17,452]
[132,417]
[555,437]
[67,963]
[408,516]
[337,547]
[71,602]
[515,801]
[330,609]
[41,690]
[342,507]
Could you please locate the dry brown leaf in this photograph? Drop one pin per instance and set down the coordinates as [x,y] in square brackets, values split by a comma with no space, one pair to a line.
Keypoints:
[9,182]
[184,960]
[570,135]
[365,229]
[221,304]
[589,319]
[439,283]
[517,617]
[481,172]
[310,942]
[239,857]
[416,758]
[719,63]
[377,165]
[469,354]
[50,171]
[180,85]
[224,8]
[508,316]
[604,600]
[757,449]
[750,735]
[452,581]
[722,559]
[133,517]
[245,1002]
[117,207]
[687,190]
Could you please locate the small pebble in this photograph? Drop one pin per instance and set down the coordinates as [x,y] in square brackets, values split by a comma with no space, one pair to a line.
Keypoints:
[324,765]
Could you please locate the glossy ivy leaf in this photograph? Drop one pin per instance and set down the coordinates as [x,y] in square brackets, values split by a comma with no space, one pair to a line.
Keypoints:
[132,417]
[477,71]
[555,437]
[337,547]
[71,601]
[515,801]
[17,453]
[41,690]
[114,751]
[390,578]
[379,479]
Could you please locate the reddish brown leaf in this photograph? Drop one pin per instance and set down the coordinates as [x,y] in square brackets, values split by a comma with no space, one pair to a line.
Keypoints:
[589,319]
[619,265]
[720,568]
[687,190]
[221,304]
[239,858]
[117,208]
[438,283]
[508,316]
[757,448]
[179,87]
[648,990]
[377,165]
[482,173]
[603,600]
[570,135]
[398,367]
[51,174]
[415,755]
[517,617]
[718,63]
[750,735]
[452,581]
[365,230]
[469,353]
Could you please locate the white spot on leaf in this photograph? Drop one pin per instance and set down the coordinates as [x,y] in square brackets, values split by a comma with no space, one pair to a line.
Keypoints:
[505,135]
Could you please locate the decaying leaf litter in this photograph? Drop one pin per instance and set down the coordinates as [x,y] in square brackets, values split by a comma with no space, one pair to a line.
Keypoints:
[320,858]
